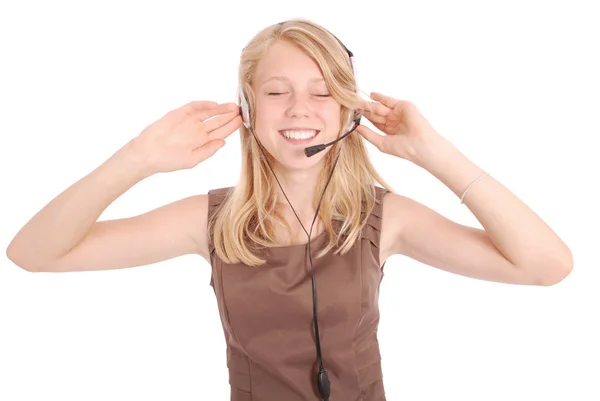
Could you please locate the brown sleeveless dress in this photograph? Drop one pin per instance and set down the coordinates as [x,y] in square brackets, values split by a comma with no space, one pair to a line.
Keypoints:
[267,317]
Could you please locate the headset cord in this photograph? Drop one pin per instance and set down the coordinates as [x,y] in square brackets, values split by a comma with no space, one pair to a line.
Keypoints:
[323,383]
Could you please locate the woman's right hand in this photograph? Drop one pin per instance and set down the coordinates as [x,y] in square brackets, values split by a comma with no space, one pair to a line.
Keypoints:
[186,136]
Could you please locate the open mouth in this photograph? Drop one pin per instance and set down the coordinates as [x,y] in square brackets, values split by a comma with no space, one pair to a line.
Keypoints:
[299,136]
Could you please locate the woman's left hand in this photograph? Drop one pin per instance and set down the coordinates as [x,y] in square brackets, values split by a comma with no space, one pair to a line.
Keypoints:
[408,134]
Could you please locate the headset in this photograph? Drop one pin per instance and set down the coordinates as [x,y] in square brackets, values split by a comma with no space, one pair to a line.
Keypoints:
[323,383]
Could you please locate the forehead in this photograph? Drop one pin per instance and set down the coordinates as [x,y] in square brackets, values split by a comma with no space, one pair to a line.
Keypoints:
[285,62]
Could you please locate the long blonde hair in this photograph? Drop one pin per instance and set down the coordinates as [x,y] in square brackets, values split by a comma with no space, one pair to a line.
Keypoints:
[245,219]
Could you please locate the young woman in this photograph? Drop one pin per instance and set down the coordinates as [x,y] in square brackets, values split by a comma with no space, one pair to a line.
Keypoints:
[296,219]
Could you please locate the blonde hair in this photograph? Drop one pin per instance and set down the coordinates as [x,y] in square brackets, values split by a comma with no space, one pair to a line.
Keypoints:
[245,219]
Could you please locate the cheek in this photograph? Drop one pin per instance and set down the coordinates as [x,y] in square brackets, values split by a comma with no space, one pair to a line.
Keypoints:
[267,112]
[265,120]
[331,117]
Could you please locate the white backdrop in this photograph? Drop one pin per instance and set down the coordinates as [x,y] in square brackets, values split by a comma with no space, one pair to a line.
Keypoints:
[513,84]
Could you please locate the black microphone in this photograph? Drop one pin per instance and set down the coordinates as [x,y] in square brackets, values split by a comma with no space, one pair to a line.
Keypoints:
[313,150]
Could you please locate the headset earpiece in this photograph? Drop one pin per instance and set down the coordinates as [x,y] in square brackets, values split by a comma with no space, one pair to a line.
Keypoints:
[244,108]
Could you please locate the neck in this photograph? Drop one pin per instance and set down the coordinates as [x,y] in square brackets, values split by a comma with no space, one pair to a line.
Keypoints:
[299,187]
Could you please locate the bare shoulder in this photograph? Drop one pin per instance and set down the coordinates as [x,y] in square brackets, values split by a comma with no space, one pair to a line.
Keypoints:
[200,231]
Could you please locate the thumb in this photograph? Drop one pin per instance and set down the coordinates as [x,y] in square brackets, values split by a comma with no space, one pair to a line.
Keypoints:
[370,136]
[207,150]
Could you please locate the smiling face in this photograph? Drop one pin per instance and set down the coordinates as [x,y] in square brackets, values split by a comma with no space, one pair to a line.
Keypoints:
[292,99]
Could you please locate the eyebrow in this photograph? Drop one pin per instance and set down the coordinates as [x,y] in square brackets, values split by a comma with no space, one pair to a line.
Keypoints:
[282,78]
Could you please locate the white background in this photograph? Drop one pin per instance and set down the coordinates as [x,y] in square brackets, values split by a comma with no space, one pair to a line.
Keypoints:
[513,84]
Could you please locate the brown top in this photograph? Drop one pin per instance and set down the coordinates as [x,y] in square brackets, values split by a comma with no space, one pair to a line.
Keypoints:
[267,317]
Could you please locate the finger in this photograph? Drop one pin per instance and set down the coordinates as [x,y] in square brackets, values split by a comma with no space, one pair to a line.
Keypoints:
[207,150]
[197,105]
[374,118]
[378,108]
[375,139]
[386,100]
[215,122]
[227,129]
[201,105]
[206,113]
[202,109]
[193,107]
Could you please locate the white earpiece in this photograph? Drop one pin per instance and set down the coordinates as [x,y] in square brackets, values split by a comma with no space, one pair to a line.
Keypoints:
[244,109]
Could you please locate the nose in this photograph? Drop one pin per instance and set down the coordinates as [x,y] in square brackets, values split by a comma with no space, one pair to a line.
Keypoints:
[299,106]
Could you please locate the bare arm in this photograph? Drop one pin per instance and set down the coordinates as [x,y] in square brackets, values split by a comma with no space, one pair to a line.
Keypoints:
[166,232]
[66,236]
[62,223]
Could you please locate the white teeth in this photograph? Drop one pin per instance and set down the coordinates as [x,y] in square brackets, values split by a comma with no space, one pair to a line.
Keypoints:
[297,134]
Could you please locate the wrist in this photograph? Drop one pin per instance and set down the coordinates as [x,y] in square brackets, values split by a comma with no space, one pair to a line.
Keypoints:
[445,162]
[135,161]
[434,153]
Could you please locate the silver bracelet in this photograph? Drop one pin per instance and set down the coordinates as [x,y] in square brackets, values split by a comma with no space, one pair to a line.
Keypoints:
[466,190]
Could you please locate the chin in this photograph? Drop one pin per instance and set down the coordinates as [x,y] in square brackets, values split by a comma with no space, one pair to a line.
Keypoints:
[297,159]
